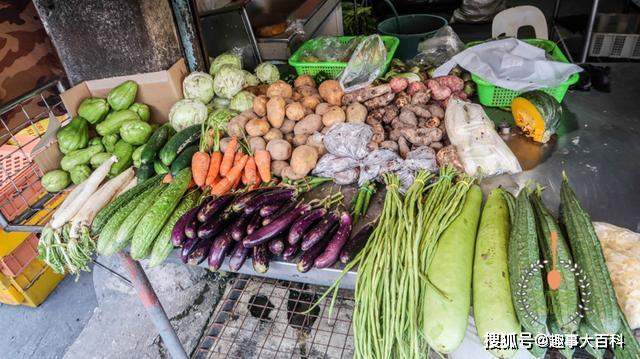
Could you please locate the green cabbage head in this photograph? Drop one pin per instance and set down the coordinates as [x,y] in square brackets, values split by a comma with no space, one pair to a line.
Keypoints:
[267,72]
[226,58]
[187,112]
[198,86]
[228,82]
[243,100]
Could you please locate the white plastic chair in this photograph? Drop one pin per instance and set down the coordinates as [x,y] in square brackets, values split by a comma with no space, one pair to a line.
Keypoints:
[510,20]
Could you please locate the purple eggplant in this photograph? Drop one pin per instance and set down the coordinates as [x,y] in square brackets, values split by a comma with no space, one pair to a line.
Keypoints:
[269,209]
[239,227]
[303,223]
[178,236]
[260,258]
[279,213]
[271,197]
[221,245]
[308,258]
[199,253]
[276,246]
[319,231]
[254,223]
[238,256]
[240,202]
[332,251]
[290,251]
[276,227]
[213,227]
[213,206]
[189,246]
[356,243]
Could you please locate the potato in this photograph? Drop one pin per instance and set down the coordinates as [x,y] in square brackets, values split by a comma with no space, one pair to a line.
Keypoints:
[277,166]
[331,91]
[294,111]
[287,126]
[304,80]
[249,114]
[308,125]
[257,127]
[235,127]
[356,113]
[316,142]
[289,173]
[311,102]
[299,140]
[303,159]
[289,137]
[297,96]
[279,89]
[276,111]
[279,149]
[322,108]
[307,91]
[224,143]
[257,143]
[333,116]
[273,134]
[262,90]
[260,105]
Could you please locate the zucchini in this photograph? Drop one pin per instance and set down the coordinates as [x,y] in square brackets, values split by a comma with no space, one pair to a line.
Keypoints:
[112,208]
[493,310]
[157,140]
[447,301]
[563,301]
[183,160]
[162,246]
[160,168]
[151,223]
[601,305]
[176,144]
[106,240]
[525,274]
[631,349]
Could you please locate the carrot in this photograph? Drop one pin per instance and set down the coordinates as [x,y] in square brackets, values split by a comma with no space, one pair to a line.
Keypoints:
[167,178]
[245,179]
[214,167]
[251,171]
[227,158]
[263,163]
[199,167]
[192,184]
[227,182]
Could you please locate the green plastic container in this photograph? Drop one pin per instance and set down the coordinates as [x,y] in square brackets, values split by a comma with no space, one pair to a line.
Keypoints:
[334,69]
[494,96]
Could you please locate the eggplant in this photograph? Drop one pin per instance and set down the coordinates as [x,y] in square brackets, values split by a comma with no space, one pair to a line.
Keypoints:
[238,256]
[331,253]
[276,227]
[260,258]
[271,197]
[221,245]
[189,246]
[308,258]
[279,213]
[178,236]
[356,243]
[290,251]
[240,202]
[213,206]
[276,246]
[213,227]
[191,230]
[300,226]
[239,227]
[319,231]
[254,223]
[200,251]
[269,209]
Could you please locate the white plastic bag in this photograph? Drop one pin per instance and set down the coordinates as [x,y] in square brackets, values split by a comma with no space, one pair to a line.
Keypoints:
[365,65]
[348,140]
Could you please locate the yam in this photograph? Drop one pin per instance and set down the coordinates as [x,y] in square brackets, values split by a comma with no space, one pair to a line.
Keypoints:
[322,108]
[436,111]
[294,111]
[366,93]
[409,118]
[279,149]
[304,80]
[422,136]
[398,84]
[333,116]
[356,113]
[389,145]
[311,102]
[279,89]
[308,125]
[277,166]
[257,127]
[331,91]
[403,147]
[276,111]
[257,143]
[287,126]
[235,127]
[303,159]
[299,140]
[379,101]
[260,105]
[273,134]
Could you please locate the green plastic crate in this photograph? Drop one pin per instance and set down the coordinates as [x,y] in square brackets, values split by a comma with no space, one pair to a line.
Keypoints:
[334,69]
[495,96]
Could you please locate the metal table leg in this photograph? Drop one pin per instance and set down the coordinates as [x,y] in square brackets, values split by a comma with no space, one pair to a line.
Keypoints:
[589,31]
[152,305]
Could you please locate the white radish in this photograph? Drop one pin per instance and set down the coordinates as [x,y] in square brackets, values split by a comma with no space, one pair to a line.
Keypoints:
[81,194]
[132,183]
[98,199]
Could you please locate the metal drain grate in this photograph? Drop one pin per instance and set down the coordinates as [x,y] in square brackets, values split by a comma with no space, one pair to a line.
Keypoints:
[263,318]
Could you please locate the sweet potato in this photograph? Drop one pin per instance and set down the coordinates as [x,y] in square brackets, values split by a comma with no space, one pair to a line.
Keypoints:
[379,101]
[398,84]
[235,126]
[331,91]
[333,116]
[419,110]
[273,134]
[294,111]
[287,126]
[366,93]
[257,127]
[257,143]
[439,92]
[436,111]
[308,125]
[304,80]
[303,159]
[276,111]
[322,108]
[454,83]
[279,149]
[277,166]
[299,140]
[279,89]
[260,105]
[356,112]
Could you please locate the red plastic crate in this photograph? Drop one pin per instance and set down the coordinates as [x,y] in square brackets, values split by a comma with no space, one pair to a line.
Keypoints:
[20,184]
[15,262]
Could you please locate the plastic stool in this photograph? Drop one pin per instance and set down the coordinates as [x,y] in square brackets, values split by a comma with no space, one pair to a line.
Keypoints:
[510,20]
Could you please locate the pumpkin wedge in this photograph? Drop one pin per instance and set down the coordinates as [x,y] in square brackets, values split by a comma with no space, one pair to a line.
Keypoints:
[538,114]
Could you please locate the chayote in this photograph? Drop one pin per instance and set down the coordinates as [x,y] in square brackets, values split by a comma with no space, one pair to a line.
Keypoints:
[79,173]
[114,121]
[123,95]
[124,152]
[135,132]
[136,156]
[109,142]
[99,158]
[74,135]
[142,110]
[79,157]
[95,141]
[55,181]
[93,109]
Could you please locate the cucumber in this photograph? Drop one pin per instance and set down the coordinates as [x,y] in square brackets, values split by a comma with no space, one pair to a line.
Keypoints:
[157,140]
[112,208]
[555,329]
[183,160]
[162,246]
[527,289]
[160,168]
[106,241]
[176,144]
[493,310]
[450,272]
[156,215]
[563,301]
[145,171]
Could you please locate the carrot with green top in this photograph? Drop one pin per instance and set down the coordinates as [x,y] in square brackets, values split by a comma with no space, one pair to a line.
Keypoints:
[263,164]
[225,184]
[227,158]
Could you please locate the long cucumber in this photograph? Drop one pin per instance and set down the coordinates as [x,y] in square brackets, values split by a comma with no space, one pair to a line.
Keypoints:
[493,309]
[447,302]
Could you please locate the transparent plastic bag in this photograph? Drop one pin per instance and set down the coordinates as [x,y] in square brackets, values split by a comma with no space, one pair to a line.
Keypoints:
[348,140]
[438,49]
[422,158]
[330,164]
[378,162]
[330,49]
[365,65]
[477,11]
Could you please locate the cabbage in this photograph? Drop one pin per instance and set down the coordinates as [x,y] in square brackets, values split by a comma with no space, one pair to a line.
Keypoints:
[267,72]
[219,102]
[219,118]
[199,86]
[250,79]
[187,112]
[243,100]
[226,58]
[228,82]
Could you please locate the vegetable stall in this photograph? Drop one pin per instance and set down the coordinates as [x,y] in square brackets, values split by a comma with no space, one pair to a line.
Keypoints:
[368,178]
